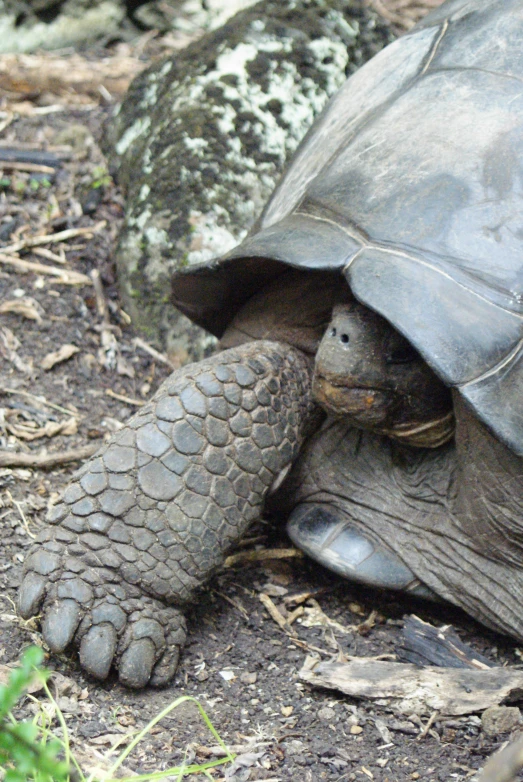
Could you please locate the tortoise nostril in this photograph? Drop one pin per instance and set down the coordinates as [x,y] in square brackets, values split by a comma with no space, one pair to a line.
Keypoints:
[333,332]
[344,338]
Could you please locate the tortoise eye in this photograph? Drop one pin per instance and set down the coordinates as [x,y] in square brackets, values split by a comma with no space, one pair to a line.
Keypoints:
[405,354]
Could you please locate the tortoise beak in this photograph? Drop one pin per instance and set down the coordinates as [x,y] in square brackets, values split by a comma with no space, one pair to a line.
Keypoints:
[363,406]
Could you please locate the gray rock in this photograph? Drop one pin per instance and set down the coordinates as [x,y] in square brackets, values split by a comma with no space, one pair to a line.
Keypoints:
[500,719]
[327,714]
[202,138]
[28,25]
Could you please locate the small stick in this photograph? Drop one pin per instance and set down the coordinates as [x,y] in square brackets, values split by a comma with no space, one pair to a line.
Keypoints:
[12,165]
[39,399]
[65,276]
[101,303]
[61,236]
[302,597]
[50,256]
[428,726]
[127,399]
[236,604]
[262,555]
[43,460]
[140,343]
[18,506]
[295,615]
[276,614]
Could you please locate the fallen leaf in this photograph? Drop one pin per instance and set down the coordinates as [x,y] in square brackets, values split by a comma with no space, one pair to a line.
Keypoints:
[64,353]
[27,307]
[9,344]
[30,431]
[315,617]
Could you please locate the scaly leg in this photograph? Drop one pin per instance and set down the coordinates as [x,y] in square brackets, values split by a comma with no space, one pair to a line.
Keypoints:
[149,518]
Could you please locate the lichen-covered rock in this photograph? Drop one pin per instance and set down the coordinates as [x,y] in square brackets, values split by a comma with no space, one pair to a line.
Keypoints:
[26,25]
[202,138]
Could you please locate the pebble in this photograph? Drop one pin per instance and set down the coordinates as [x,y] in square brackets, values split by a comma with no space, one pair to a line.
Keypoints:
[500,719]
[327,714]
[248,678]
[356,730]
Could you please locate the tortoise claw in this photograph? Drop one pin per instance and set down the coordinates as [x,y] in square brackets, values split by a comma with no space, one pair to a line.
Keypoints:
[60,624]
[137,662]
[332,539]
[31,595]
[166,666]
[97,650]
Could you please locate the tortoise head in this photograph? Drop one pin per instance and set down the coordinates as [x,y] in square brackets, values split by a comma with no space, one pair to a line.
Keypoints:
[371,375]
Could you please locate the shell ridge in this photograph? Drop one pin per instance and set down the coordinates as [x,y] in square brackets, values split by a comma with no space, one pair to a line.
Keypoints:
[435,46]
[454,276]
[475,69]
[358,235]
[499,367]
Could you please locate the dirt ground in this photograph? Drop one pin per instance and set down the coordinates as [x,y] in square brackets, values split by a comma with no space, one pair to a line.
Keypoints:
[238,662]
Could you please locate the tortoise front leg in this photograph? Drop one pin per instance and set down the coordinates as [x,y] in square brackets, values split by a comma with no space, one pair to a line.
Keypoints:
[145,522]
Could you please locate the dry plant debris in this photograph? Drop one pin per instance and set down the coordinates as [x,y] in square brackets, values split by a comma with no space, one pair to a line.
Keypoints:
[57,356]
[402,15]
[410,689]
[260,555]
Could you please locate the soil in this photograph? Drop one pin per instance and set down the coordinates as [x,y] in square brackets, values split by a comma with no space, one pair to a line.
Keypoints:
[238,663]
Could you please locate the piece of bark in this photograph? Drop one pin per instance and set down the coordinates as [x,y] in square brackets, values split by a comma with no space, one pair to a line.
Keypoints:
[36,156]
[424,644]
[409,689]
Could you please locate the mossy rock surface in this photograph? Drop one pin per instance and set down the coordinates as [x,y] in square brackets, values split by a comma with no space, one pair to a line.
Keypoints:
[202,138]
[29,25]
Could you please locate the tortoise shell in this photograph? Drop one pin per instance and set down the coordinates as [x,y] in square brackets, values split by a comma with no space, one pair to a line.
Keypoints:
[410,184]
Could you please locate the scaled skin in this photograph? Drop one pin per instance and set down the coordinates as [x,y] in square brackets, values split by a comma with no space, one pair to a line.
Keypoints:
[149,519]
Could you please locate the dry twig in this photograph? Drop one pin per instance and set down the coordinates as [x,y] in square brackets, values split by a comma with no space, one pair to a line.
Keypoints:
[64,276]
[141,343]
[60,236]
[32,168]
[261,555]
[44,460]
[276,615]
[121,398]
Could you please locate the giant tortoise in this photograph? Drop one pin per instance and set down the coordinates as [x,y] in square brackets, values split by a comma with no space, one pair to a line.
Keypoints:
[371,375]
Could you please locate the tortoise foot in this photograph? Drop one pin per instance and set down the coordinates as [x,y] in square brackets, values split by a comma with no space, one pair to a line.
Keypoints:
[331,538]
[110,621]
